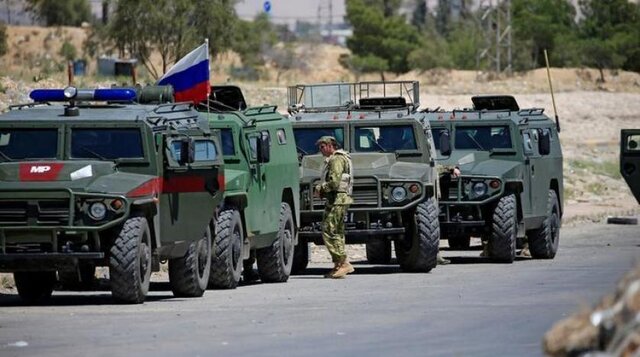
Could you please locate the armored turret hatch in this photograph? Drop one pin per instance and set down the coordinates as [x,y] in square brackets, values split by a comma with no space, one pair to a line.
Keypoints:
[495,102]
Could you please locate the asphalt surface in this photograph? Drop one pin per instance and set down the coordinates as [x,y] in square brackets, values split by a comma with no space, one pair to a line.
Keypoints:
[470,307]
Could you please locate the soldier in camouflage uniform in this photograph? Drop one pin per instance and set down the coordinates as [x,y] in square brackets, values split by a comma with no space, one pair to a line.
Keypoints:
[336,188]
[446,173]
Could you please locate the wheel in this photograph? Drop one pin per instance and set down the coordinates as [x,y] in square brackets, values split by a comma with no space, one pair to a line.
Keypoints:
[418,252]
[130,262]
[378,250]
[300,256]
[502,242]
[82,279]
[459,241]
[226,260]
[189,275]
[543,242]
[35,287]
[274,262]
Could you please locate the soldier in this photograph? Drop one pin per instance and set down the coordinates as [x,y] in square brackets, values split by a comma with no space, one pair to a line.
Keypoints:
[336,188]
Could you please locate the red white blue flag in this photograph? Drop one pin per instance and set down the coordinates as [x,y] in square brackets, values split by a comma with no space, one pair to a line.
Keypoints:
[189,77]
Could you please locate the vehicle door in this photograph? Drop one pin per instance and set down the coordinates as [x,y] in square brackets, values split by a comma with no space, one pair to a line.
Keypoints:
[263,215]
[530,159]
[630,159]
[192,186]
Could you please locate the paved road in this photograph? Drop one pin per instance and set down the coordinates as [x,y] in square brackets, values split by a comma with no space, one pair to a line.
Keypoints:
[470,307]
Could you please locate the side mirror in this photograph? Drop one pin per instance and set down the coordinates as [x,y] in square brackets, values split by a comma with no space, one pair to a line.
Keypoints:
[544,142]
[445,143]
[187,151]
[264,149]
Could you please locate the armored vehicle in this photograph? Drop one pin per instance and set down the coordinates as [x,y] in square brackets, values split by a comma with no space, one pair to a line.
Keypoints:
[630,159]
[392,154]
[260,213]
[511,177]
[104,181]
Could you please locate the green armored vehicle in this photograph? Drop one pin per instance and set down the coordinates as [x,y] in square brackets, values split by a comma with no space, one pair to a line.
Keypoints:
[394,178]
[630,159]
[511,180]
[104,181]
[260,213]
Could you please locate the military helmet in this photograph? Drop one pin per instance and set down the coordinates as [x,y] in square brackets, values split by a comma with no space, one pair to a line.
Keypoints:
[327,139]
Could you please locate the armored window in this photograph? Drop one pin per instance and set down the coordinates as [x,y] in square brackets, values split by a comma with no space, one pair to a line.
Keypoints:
[282,137]
[437,132]
[306,138]
[483,138]
[385,138]
[253,147]
[28,144]
[228,147]
[106,143]
[205,150]
[527,143]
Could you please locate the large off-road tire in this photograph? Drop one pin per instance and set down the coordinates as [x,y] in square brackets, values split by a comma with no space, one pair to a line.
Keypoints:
[189,275]
[378,250]
[275,261]
[418,252]
[459,241]
[543,242]
[82,279]
[504,227]
[130,262]
[226,260]
[300,256]
[35,287]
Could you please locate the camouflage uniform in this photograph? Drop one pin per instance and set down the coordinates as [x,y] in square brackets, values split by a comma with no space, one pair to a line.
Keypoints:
[336,188]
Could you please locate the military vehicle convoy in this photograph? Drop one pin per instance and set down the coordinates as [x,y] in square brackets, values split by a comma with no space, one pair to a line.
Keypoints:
[511,183]
[392,152]
[630,159]
[260,212]
[104,181]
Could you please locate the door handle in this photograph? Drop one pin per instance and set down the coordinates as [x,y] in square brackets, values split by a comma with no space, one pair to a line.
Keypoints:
[533,170]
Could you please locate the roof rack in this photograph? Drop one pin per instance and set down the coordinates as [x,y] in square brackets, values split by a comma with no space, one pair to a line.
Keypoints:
[354,96]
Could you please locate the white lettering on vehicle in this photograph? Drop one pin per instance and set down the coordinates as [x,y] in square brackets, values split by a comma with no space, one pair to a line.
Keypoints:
[40,169]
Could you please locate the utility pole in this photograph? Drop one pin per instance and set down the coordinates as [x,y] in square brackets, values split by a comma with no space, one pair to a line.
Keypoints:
[330,19]
[495,21]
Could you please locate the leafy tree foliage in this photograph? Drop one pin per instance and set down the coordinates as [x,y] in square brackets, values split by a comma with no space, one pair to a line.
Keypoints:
[60,12]
[382,40]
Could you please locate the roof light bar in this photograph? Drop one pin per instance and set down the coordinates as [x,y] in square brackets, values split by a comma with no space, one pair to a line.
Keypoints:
[72,93]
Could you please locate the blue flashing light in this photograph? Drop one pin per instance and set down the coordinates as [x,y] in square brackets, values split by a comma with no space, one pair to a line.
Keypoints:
[103,95]
[115,94]
[47,95]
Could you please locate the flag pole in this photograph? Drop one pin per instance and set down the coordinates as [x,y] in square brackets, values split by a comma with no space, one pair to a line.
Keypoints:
[206,41]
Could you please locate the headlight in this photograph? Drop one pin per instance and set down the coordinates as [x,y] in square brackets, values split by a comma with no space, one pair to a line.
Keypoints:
[479,188]
[398,194]
[97,210]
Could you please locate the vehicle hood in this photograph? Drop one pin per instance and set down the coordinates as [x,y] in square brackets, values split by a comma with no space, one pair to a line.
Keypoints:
[380,165]
[483,164]
[79,176]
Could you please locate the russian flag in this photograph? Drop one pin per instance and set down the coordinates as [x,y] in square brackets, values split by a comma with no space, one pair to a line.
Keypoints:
[189,77]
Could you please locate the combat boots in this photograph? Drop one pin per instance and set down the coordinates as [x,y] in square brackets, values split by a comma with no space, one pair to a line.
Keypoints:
[336,265]
[344,268]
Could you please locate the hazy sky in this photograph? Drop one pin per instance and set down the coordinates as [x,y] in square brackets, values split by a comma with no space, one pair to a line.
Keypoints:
[288,11]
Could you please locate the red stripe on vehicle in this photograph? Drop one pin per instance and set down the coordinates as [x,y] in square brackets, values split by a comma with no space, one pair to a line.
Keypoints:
[183,184]
[149,188]
[39,171]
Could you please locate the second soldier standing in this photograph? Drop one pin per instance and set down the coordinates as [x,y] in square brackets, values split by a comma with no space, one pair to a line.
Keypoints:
[336,188]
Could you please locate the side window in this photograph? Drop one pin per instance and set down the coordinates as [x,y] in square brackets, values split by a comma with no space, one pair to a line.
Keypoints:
[205,150]
[282,137]
[228,147]
[633,143]
[253,147]
[527,142]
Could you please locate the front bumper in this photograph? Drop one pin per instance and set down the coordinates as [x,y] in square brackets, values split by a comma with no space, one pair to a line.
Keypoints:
[45,261]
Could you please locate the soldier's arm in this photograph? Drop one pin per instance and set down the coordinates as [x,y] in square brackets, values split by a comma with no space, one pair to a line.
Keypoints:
[336,168]
[450,169]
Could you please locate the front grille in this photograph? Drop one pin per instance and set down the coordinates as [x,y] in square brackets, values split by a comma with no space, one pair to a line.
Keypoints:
[45,212]
[365,194]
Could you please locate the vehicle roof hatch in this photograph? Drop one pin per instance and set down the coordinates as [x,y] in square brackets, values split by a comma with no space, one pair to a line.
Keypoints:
[495,102]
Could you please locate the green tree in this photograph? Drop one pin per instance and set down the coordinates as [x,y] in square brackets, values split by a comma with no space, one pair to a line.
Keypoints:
[68,51]
[3,39]
[170,27]
[537,25]
[381,39]
[60,12]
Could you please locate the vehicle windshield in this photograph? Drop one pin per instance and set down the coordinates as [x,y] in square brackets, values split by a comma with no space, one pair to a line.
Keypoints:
[106,143]
[384,138]
[17,144]
[483,138]
[306,138]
